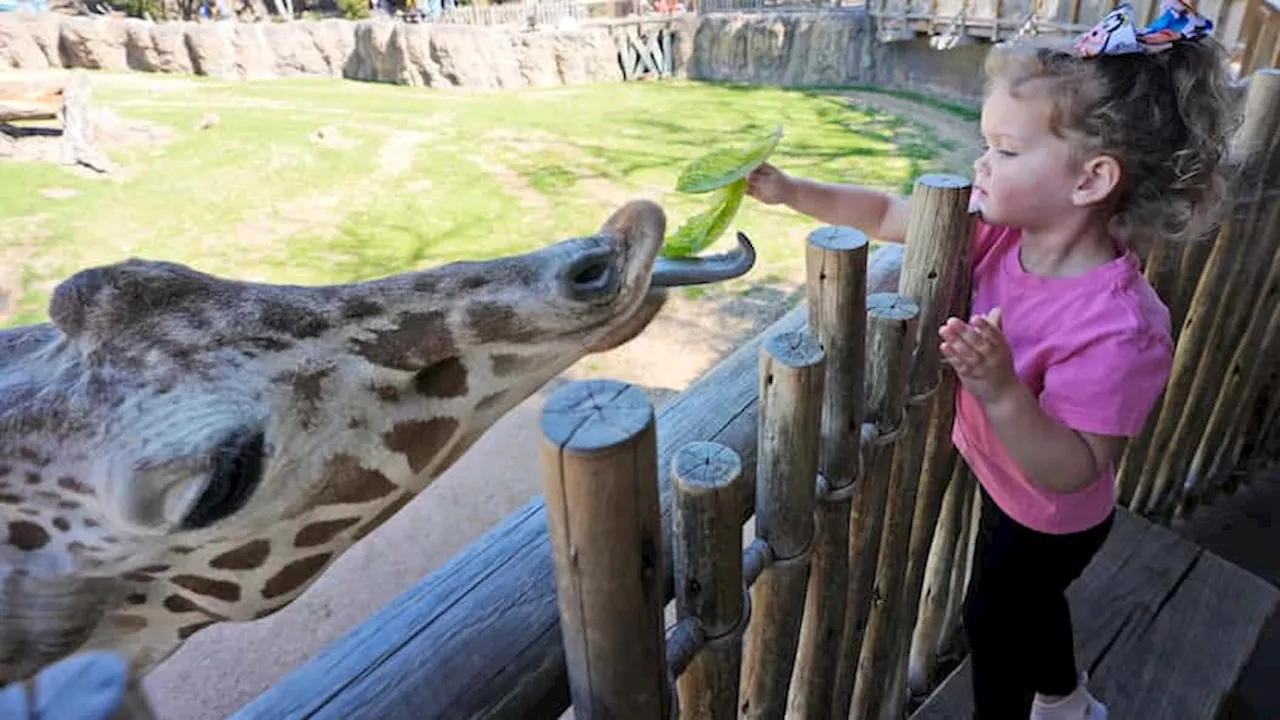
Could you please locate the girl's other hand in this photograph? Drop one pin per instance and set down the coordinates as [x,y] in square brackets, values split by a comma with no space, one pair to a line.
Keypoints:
[977,351]
[769,185]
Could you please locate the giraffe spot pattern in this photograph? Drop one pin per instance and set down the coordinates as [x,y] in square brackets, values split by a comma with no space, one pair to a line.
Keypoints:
[445,379]
[416,339]
[293,320]
[382,516]
[492,322]
[346,481]
[178,604]
[75,486]
[219,589]
[10,499]
[319,533]
[294,575]
[62,524]
[246,557]
[138,598]
[355,308]
[27,535]
[187,631]
[33,478]
[419,441]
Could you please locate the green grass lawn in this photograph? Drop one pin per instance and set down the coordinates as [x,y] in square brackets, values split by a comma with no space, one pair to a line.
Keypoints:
[416,177]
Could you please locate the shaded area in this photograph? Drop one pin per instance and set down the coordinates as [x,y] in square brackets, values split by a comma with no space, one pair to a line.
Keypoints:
[1241,529]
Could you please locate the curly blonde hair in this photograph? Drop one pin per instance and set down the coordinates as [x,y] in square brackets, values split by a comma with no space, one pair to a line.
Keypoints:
[1166,118]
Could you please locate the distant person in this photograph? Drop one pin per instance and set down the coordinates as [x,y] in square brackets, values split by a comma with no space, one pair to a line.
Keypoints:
[1068,347]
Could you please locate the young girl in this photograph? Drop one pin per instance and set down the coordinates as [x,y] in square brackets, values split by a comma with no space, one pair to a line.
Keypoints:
[1115,139]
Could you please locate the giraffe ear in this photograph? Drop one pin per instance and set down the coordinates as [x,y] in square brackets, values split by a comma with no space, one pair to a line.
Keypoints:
[637,220]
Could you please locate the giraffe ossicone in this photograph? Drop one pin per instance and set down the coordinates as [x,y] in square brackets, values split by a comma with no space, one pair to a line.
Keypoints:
[179,449]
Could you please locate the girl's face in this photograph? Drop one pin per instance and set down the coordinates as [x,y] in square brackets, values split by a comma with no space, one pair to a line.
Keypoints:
[1026,178]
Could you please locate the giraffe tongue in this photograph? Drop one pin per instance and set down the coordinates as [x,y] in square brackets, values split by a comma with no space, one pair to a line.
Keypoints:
[673,272]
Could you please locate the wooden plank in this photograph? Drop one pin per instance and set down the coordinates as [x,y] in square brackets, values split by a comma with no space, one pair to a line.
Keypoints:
[480,637]
[1153,610]
[1186,661]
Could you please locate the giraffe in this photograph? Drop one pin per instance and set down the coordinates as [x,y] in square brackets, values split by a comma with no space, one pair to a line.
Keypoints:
[179,449]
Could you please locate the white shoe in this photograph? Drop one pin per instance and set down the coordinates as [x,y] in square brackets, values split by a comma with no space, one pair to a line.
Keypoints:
[1079,705]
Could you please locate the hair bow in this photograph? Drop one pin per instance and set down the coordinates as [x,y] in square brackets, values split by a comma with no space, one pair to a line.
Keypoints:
[1116,33]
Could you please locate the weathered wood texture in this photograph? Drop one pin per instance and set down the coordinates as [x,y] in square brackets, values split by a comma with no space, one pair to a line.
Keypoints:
[1212,315]
[600,480]
[939,235]
[1165,626]
[707,478]
[792,373]
[892,322]
[931,614]
[836,264]
[480,637]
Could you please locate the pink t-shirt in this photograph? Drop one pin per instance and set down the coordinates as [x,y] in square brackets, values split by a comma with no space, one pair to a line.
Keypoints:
[1096,349]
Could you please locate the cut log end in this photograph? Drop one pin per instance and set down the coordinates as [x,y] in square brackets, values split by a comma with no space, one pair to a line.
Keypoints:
[942,181]
[701,467]
[892,306]
[838,237]
[595,415]
[796,349]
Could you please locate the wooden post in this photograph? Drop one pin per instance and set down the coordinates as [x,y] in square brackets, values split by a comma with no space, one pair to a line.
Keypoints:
[939,235]
[937,585]
[939,457]
[1207,316]
[891,336]
[836,260]
[1243,375]
[792,370]
[706,477]
[1187,274]
[599,465]
[962,568]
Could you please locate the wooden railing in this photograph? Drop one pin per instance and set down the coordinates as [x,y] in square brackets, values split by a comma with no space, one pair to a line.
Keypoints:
[821,614]
[1238,23]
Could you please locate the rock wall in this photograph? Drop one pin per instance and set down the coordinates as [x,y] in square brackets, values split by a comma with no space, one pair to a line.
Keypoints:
[384,51]
[830,47]
[793,48]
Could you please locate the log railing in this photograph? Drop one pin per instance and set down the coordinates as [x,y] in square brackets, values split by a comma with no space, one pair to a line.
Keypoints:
[834,434]
[907,513]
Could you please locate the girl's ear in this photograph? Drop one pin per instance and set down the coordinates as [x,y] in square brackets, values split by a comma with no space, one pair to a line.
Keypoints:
[1099,178]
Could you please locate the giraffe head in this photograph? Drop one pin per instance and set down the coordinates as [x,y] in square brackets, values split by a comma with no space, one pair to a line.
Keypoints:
[178,449]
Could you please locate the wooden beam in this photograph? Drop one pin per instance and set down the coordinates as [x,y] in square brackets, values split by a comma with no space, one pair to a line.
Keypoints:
[480,637]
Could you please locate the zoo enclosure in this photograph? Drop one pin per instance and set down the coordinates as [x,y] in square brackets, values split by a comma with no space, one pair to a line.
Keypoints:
[848,595]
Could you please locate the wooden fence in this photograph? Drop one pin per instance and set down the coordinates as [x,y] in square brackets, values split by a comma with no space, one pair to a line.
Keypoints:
[1248,28]
[848,595]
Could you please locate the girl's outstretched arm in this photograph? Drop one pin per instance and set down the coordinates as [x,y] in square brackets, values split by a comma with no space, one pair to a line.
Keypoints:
[878,214]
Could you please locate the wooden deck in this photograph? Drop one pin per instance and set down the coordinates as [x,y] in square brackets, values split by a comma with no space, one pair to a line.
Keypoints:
[1163,627]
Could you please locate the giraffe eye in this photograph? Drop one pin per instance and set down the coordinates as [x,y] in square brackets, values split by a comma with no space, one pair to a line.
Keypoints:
[237,470]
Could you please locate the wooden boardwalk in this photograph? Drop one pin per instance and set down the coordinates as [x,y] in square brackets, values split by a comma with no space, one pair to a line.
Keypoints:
[1163,626]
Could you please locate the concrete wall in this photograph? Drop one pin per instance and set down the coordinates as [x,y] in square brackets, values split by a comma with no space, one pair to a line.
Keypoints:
[794,48]
[832,47]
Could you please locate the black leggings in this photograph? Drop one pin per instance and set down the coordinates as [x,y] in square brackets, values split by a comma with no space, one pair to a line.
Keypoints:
[1016,618]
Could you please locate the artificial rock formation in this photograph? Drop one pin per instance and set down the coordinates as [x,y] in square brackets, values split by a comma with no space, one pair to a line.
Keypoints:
[432,55]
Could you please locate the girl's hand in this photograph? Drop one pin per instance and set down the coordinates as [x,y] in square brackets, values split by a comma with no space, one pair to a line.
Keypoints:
[769,185]
[977,351]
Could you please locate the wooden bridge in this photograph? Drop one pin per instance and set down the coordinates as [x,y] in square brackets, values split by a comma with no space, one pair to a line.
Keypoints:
[845,600]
